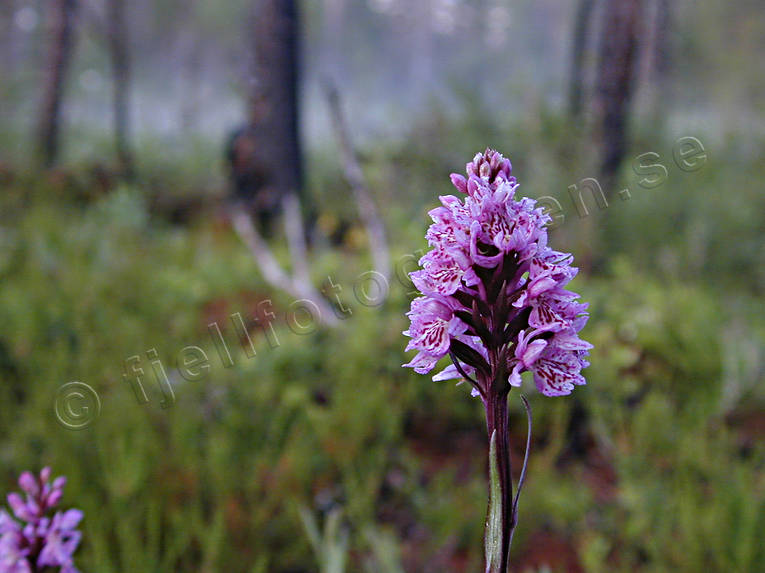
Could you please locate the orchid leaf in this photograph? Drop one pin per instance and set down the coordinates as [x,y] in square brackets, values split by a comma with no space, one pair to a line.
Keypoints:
[493,540]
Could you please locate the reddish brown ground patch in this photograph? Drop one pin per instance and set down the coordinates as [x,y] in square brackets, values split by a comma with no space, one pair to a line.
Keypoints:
[548,548]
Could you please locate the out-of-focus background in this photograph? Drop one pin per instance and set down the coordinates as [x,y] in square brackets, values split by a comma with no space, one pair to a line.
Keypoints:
[130,131]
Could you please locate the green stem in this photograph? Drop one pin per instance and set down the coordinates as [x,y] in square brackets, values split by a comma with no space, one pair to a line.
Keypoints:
[500,518]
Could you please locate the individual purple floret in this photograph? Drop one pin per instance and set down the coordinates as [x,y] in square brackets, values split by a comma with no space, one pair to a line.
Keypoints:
[37,541]
[494,300]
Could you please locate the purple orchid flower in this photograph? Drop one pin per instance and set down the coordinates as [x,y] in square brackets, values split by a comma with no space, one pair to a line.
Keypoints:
[35,541]
[494,300]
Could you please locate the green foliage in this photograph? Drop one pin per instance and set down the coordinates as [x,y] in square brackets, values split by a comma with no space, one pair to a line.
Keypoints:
[655,465]
[331,545]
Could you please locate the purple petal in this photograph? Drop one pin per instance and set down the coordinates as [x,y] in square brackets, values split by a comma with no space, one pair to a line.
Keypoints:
[532,352]
[54,497]
[19,508]
[423,363]
[70,519]
[28,483]
[448,373]
[459,182]
[7,524]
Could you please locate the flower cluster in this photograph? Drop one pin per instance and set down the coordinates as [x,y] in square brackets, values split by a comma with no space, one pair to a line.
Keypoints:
[494,292]
[39,541]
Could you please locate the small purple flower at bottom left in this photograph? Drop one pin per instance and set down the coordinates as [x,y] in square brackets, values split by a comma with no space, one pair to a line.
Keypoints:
[35,539]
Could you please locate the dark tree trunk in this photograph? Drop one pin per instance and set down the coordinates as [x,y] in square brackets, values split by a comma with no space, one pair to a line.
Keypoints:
[664,22]
[581,33]
[275,98]
[662,54]
[120,58]
[616,71]
[62,20]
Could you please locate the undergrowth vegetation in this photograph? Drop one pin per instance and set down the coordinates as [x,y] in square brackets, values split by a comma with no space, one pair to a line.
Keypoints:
[320,449]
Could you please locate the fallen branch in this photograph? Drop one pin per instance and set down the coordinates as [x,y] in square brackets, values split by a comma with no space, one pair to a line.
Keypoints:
[299,285]
[298,282]
[375,227]
[293,228]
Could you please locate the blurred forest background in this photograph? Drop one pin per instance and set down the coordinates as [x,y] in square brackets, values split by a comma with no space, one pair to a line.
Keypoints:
[131,130]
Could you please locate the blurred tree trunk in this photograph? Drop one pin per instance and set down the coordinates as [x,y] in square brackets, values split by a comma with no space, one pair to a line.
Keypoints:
[7,37]
[616,71]
[581,33]
[192,55]
[661,58]
[7,59]
[664,23]
[272,141]
[62,14]
[275,99]
[189,49]
[118,38]
[333,63]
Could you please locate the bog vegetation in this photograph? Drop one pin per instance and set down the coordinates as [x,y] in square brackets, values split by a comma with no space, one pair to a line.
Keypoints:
[656,464]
